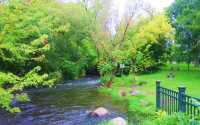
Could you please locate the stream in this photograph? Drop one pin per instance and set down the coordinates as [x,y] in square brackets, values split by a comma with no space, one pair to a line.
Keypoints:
[64,104]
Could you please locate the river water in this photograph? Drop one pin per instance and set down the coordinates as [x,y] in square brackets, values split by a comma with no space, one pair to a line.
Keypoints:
[65,104]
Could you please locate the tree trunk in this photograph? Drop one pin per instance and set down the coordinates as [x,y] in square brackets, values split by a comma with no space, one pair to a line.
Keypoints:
[110,82]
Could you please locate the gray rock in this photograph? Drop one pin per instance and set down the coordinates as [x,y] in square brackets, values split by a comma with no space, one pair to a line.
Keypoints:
[118,121]
[99,112]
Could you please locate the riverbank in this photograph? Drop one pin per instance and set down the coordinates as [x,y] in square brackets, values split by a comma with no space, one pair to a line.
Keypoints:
[142,102]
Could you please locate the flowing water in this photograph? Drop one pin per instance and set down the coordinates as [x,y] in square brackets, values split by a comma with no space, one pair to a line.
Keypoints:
[67,104]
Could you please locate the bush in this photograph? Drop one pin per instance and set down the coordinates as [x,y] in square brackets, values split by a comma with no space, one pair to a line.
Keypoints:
[6,99]
[10,83]
[105,79]
[57,76]
[23,97]
[105,68]
[15,110]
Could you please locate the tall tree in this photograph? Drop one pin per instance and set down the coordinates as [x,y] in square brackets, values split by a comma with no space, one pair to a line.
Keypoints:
[185,17]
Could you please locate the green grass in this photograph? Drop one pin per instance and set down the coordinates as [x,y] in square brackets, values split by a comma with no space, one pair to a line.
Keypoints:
[175,119]
[183,77]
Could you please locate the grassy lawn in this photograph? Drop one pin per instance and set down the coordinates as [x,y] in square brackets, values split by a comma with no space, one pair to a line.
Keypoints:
[183,77]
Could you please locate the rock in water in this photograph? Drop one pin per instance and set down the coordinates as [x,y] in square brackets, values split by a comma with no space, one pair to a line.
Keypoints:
[99,112]
[118,121]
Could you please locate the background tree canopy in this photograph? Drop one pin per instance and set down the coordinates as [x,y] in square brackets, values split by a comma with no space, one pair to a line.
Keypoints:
[185,18]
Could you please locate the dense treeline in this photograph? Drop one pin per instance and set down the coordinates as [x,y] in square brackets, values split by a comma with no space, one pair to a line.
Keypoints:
[42,42]
[185,17]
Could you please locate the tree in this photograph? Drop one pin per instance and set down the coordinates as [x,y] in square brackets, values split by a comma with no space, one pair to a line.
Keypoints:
[185,18]
[148,42]
[24,43]
[72,52]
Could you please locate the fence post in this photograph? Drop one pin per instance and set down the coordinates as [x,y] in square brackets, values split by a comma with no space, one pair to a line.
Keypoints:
[181,99]
[158,95]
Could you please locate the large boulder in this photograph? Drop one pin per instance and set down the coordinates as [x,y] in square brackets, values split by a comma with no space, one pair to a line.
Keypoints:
[99,112]
[118,121]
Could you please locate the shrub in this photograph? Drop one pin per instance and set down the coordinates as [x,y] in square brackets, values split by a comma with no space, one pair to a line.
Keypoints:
[105,68]
[105,79]
[6,99]
[23,97]
[57,76]
[15,110]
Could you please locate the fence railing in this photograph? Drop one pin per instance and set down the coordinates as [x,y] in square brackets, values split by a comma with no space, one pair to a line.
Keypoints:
[176,101]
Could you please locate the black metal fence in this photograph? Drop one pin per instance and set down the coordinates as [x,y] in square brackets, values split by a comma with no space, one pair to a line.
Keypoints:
[176,101]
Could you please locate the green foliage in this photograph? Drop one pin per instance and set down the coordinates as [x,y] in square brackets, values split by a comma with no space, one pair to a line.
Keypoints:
[23,97]
[8,78]
[144,48]
[72,52]
[11,83]
[105,79]
[105,68]
[42,36]
[57,76]
[33,78]
[6,98]
[148,43]
[22,39]
[175,119]
[15,110]
[185,19]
